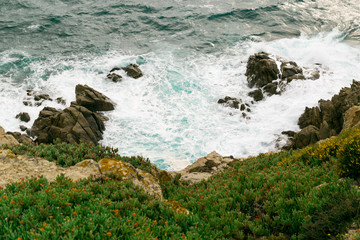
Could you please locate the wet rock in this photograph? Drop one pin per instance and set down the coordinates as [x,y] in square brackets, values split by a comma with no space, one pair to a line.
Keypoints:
[114,77]
[311,116]
[76,123]
[115,69]
[230,102]
[288,133]
[92,99]
[23,128]
[7,139]
[261,70]
[27,103]
[307,136]
[314,75]
[290,71]
[271,88]
[257,95]
[60,100]
[23,116]
[133,71]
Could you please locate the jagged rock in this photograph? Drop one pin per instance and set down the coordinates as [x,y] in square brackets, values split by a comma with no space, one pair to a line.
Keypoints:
[133,71]
[42,96]
[352,118]
[261,70]
[271,88]
[115,69]
[21,138]
[230,102]
[92,99]
[290,71]
[60,100]
[24,116]
[73,125]
[257,95]
[23,128]
[307,136]
[288,133]
[205,167]
[140,178]
[7,139]
[311,116]
[114,77]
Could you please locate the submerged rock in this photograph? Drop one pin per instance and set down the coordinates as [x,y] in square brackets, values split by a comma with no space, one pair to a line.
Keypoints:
[230,102]
[114,77]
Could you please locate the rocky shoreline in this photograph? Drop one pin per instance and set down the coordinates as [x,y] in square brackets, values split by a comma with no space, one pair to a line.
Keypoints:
[84,121]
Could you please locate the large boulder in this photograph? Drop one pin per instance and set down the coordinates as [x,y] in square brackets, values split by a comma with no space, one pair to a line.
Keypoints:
[261,70]
[7,139]
[307,136]
[73,124]
[92,99]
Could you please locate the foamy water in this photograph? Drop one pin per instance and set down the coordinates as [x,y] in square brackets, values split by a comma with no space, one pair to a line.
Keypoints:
[171,114]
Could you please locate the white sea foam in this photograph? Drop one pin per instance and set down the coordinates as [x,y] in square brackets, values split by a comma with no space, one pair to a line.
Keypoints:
[171,114]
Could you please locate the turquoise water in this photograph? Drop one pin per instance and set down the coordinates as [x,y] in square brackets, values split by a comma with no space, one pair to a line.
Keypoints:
[191,54]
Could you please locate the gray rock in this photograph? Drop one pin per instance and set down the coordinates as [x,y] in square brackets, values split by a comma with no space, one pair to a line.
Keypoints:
[92,99]
[133,71]
[23,116]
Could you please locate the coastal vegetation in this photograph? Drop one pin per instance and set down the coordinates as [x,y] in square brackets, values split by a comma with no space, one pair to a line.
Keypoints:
[311,193]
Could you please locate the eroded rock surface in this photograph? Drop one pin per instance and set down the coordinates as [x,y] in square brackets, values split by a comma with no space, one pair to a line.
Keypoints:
[7,139]
[92,99]
[205,167]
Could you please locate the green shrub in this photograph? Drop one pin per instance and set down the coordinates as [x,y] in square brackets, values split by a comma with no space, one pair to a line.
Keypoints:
[348,164]
[65,154]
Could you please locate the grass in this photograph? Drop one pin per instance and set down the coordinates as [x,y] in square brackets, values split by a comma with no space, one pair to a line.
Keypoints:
[302,194]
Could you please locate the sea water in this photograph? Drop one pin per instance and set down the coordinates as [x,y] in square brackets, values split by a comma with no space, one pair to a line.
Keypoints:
[191,54]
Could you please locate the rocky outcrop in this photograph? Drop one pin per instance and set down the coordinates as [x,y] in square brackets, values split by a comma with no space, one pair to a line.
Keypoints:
[92,99]
[329,117]
[21,138]
[235,103]
[205,167]
[257,95]
[77,123]
[261,70]
[7,139]
[126,171]
[133,71]
[23,116]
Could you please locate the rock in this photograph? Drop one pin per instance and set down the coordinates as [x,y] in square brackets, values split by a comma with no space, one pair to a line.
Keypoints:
[271,88]
[257,95]
[230,102]
[115,69]
[24,116]
[314,75]
[261,70]
[74,124]
[288,133]
[7,139]
[27,103]
[21,138]
[352,118]
[114,77]
[38,97]
[291,71]
[139,177]
[311,116]
[205,167]
[133,71]
[307,136]
[60,100]
[92,99]
[23,128]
